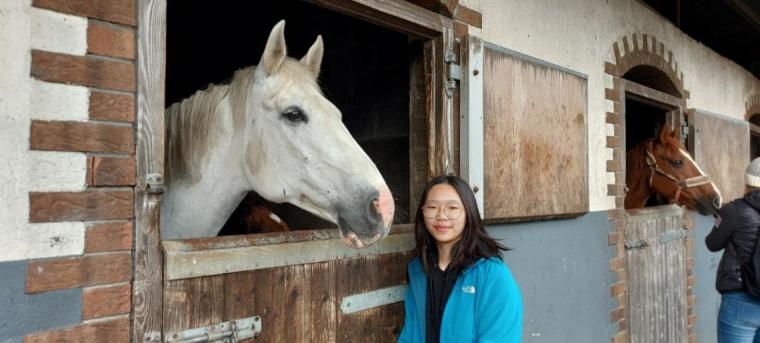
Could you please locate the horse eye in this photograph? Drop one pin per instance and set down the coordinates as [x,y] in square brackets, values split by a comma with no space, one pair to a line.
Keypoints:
[676,163]
[295,114]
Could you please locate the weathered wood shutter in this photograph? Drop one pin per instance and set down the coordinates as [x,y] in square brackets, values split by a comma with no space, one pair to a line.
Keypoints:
[535,134]
[720,145]
[655,243]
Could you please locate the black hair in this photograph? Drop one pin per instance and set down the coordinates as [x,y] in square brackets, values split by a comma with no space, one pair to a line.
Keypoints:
[475,242]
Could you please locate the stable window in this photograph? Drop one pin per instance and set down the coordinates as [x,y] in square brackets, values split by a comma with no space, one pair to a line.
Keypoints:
[384,68]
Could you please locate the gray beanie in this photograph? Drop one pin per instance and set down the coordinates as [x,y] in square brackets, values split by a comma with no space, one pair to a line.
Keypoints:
[752,176]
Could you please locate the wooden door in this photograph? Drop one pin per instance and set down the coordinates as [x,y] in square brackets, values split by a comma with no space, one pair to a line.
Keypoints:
[655,243]
[302,288]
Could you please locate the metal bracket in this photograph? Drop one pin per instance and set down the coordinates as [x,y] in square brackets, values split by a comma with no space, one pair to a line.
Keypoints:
[454,72]
[635,244]
[154,183]
[376,298]
[227,332]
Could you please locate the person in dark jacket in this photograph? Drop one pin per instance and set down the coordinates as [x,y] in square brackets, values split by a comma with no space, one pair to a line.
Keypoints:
[735,232]
[460,290]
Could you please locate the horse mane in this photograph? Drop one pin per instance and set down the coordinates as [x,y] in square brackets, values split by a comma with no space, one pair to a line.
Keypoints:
[635,161]
[194,124]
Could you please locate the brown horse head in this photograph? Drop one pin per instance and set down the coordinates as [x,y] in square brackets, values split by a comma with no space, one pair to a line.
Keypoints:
[662,166]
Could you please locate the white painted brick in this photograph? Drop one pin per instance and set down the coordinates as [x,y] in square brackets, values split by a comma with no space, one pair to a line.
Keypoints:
[57,171]
[53,31]
[56,101]
[43,240]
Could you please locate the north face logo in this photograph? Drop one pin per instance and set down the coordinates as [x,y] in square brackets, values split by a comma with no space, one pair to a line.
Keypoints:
[468,289]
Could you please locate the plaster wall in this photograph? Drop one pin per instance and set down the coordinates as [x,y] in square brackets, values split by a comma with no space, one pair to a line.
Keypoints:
[23,28]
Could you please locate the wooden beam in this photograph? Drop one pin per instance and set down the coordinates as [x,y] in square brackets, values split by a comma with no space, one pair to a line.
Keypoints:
[147,300]
[650,95]
[398,15]
[188,259]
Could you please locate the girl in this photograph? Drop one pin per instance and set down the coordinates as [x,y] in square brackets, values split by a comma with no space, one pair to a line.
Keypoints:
[460,290]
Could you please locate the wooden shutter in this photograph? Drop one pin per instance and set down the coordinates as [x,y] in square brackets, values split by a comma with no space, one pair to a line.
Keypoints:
[720,145]
[535,138]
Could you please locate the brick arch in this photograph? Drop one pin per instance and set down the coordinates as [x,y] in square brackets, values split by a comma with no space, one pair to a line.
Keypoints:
[631,52]
[753,106]
[645,50]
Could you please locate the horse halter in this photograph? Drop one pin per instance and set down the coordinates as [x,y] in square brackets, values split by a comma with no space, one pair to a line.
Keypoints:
[681,184]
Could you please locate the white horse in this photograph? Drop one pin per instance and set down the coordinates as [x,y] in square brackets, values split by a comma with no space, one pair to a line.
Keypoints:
[270,130]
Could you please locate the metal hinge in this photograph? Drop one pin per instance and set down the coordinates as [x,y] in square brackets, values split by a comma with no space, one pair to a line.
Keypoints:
[227,332]
[635,244]
[155,183]
[454,72]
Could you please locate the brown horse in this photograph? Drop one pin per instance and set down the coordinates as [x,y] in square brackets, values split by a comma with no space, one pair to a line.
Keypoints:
[662,166]
[253,215]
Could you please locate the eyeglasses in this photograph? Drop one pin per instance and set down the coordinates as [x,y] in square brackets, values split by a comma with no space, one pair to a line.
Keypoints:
[450,211]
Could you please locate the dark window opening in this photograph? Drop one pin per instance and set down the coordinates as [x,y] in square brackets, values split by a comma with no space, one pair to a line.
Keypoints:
[754,136]
[653,78]
[365,73]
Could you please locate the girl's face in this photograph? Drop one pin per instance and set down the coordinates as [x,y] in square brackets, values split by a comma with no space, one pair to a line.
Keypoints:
[444,214]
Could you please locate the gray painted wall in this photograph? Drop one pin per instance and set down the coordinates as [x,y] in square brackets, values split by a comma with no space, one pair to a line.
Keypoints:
[21,314]
[705,266]
[562,267]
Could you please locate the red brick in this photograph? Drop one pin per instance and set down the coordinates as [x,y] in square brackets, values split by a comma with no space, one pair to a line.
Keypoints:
[614,238]
[75,206]
[110,40]
[617,314]
[444,7]
[83,70]
[620,337]
[614,142]
[616,263]
[112,331]
[610,68]
[78,136]
[117,11]
[106,301]
[89,270]
[108,237]
[614,166]
[469,16]
[617,289]
[112,171]
[612,118]
[460,29]
[109,106]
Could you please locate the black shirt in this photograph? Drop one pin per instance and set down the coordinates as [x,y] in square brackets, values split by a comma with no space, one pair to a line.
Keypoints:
[440,284]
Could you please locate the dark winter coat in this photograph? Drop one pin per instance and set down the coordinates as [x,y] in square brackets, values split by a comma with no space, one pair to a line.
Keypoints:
[735,231]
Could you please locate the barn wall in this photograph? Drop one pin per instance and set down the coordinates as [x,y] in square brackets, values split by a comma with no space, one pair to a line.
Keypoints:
[561,268]
[579,35]
[67,113]
[705,267]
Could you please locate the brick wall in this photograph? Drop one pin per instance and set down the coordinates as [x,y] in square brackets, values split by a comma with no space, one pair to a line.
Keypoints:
[634,51]
[105,72]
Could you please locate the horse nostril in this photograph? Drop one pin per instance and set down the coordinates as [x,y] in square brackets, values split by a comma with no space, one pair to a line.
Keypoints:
[374,208]
[716,202]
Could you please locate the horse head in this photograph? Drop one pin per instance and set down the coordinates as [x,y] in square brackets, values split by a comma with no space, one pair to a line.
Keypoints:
[297,149]
[662,165]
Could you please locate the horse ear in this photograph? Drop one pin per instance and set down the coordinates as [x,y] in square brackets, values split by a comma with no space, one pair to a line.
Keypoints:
[313,58]
[275,50]
[676,134]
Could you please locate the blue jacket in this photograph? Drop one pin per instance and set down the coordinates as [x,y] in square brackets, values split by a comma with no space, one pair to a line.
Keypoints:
[485,305]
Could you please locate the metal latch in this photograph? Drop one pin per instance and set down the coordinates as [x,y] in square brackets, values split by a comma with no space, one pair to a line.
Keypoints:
[454,72]
[636,244]
[155,183]
[227,332]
